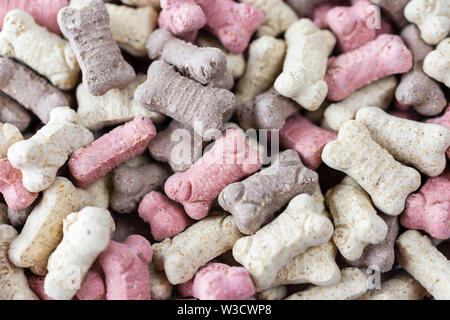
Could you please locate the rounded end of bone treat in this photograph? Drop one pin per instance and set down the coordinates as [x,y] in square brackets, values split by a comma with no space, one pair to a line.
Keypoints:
[156,42]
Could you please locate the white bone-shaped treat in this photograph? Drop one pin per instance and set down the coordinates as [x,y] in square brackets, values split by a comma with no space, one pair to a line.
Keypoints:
[437,63]
[9,134]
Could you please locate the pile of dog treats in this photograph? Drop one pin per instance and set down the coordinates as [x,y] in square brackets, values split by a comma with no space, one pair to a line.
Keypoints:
[221,149]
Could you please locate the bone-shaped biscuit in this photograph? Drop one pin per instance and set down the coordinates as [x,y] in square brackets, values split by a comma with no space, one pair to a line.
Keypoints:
[207,66]
[181,256]
[356,221]
[13,113]
[30,90]
[43,229]
[290,234]
[431,16]
[40,156]
[437,63]
[305,64]
[86,234]
[9,134]
[97,53]
[43,51]
[258,197]
[387,181]
[160,287]
[422,145]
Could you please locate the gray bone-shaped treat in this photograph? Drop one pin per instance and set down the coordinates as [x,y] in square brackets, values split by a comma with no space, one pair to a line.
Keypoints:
[98,55]
[381,255]
[132,184]
[416,88]
[185,100]
[268,110]
[258,197]
[12,112]
[30,90]
[207,66]
[177,145]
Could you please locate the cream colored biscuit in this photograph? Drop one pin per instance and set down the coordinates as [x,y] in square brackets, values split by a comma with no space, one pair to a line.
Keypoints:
[160,287]
[387,181]
[45,52]
[99,191]
[9,134]
[437,63]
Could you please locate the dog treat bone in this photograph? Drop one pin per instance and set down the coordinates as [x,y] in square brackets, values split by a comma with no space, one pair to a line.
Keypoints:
[394,10]
[387,181]
[422,145]
[231,22]
[132,184]
[259,196]
[416,88]
[98,55]
[125,268]
[378,93]
[40,156]
[185,100]
[353,284]
[264,261]
[30,90]
[13,283]
[304,7]
[424,263]
[160,287]
[437,63]
[43,229]
[90,163]
[432,17]
[207,66]
[181,256]
[181,17]
[13,113]
[268,110]
[306,138]
[86,235]
[400,287]
[385,55]
[9,134]
[15,194]
[218,281]
[264,63]
[305,64]
[429,209]
[178,145]
[166,217]
[43,51]
[278,16]
[356,221]
[229,160]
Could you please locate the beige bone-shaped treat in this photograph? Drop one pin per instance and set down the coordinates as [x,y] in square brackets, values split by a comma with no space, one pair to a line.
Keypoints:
[386,180]
[160,287]
[422,145]
[278,16]
[40,156]
[115,107]
[437,63]
[181,256]
[86,234]
[99,192]
[45,52]
[295,230]
[130,26]
[424,263]
[356,221]
[305,64]
[43,229]
[9,134]
[400,287]
[13,283]
[265,60]
[378,94]
[431,16]
[353,284]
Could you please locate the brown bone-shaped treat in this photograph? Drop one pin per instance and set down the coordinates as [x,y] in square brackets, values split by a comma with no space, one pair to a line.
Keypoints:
[30,90]
[416,88]
[98,55]
[258,197]
[205,65]
[268,110]
[132,184]
[185,100]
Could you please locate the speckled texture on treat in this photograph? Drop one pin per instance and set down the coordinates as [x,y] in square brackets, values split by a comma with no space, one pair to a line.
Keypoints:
[437,63]
[387,181]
